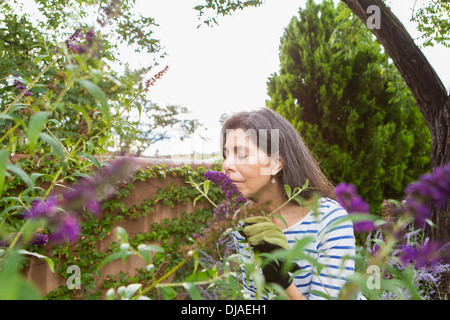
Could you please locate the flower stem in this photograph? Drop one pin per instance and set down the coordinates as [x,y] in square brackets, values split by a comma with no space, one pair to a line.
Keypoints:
[10,131]
[29,86]
[289,200]
[168,274]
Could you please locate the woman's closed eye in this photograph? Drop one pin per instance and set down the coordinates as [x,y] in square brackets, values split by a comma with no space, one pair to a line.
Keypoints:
[242,156]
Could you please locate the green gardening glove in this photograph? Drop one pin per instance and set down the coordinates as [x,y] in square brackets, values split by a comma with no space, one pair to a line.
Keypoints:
[265,237]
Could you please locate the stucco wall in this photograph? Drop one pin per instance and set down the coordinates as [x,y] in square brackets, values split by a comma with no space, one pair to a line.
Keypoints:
[38,271]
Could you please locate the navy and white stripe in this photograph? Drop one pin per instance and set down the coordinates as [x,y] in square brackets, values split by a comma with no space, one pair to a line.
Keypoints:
[332,245]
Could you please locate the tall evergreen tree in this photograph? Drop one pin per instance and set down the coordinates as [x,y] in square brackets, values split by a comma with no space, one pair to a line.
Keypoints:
[340,90]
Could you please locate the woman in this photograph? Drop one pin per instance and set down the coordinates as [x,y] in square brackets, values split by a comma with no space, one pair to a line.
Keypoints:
[262,153]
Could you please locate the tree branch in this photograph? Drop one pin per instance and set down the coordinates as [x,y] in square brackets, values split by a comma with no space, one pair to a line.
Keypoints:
[421,78]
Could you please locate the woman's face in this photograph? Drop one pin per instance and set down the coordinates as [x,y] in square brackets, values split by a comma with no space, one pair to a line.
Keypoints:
[248,166]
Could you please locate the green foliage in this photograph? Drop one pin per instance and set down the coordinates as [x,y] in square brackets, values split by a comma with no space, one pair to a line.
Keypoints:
[82,92]
[433,22]
[61,107]
[349,103]
[208,10]
[170,234]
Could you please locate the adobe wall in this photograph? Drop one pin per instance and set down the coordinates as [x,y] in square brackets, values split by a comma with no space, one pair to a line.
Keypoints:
[38,271]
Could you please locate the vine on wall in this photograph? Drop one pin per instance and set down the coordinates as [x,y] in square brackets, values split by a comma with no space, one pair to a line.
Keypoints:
[170,234]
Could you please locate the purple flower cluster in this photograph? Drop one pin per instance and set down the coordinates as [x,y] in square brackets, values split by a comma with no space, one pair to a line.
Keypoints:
[62,213]
[68,230]
[426,255]
[230,190]
[42,208]
[72,43]
[38,239]
[432,189]
[349,199]
[222,211]
[20,87]
[228,187]
[109,12]
[222,220]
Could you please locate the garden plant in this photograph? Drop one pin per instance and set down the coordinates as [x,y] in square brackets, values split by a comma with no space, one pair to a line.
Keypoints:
[60,183]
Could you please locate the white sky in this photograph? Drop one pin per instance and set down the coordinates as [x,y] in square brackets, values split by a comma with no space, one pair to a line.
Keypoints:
[225,68]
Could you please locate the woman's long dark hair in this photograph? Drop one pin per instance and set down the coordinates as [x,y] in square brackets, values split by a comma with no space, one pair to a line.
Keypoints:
[298,162]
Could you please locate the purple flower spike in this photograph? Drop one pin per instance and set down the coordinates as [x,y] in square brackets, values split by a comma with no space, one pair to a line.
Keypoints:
[350,200]
[228,187]
[222,211]
[427,255]
[40,239]
[42,208]
[94,206]
[421,211]
[68,230]
[433,187]
[408,254]
[364,226]
[353,203]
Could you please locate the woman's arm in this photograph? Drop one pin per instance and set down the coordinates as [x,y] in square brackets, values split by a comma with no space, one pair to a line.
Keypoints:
[293,293]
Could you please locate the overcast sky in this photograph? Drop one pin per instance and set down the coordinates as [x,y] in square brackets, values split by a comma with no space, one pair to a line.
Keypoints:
[224,69]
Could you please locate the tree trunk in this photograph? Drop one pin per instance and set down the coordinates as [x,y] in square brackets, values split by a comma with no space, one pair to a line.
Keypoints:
[425,85]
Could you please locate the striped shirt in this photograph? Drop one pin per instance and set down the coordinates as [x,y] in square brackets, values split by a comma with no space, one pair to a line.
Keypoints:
[332,245]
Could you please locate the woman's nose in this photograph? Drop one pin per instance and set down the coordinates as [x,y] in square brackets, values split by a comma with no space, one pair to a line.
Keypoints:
[229,165]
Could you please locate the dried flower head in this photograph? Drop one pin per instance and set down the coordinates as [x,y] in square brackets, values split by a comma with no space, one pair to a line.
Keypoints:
[150,82]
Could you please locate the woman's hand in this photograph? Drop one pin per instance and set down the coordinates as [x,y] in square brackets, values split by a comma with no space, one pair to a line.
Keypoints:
[265,237]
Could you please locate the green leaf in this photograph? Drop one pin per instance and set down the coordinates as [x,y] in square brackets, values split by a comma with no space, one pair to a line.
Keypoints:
[288,190]
[3,162]
[121,235]
[93,159]
[193,290]
[35,127]
[168,293]
[21,174]
[145,251]
[57,148]
[13,285]
[85,115]
[281,218]
[206,186]
[132,289]
[197,198]
[320,294]
[50,262]
[114,256]
[301,201]
[98,93]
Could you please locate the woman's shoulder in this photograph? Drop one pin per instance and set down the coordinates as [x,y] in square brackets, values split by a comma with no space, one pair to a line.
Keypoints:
[325,205]
[328,209]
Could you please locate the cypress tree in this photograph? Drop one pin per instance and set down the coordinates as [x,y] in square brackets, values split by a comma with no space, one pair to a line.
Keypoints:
[339,89]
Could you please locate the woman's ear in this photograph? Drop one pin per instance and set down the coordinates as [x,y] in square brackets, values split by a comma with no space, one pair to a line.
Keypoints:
[276,164]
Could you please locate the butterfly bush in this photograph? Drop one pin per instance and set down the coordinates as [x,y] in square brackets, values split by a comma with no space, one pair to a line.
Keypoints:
[353,203]
[392,240]
[62,212]
[230,190]
[223,217]
[396,242]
